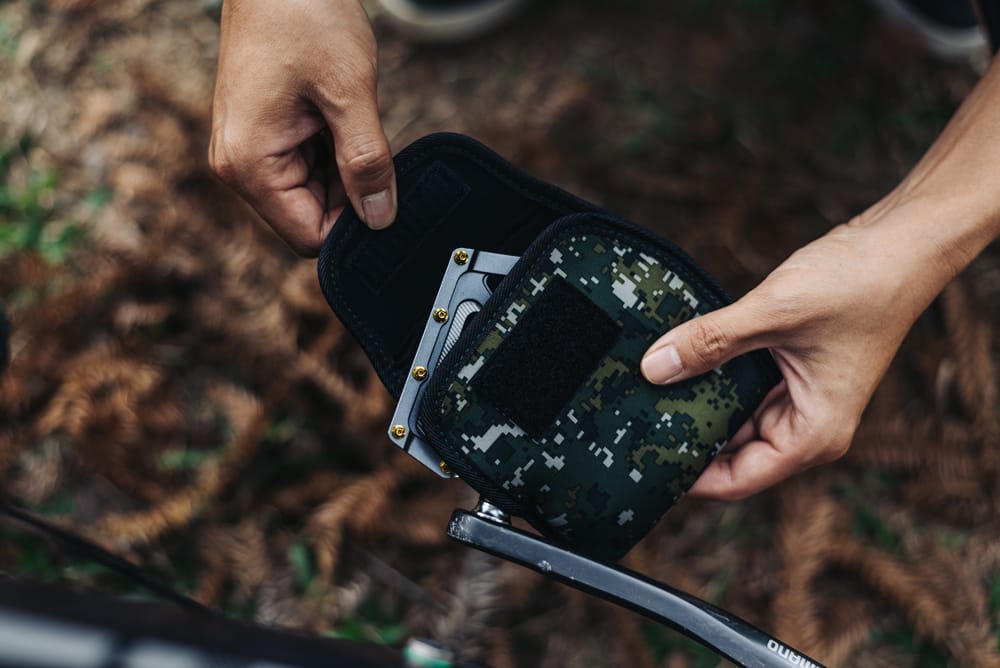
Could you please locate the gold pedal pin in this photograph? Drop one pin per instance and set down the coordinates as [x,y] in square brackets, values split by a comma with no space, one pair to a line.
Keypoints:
[463,291]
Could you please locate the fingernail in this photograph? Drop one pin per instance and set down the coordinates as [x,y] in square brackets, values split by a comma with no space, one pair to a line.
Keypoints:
[661,365]
[378,210]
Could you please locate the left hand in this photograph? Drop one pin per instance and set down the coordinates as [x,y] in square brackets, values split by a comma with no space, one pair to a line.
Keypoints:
[295,122]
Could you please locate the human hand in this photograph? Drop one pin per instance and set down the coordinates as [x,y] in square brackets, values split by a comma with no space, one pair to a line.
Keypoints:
[836,311]
[295,123]
[833,315]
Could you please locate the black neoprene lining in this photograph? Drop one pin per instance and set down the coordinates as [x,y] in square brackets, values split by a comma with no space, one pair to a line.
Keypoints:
[453,192]
[428,203]
[588,223]
[541,364]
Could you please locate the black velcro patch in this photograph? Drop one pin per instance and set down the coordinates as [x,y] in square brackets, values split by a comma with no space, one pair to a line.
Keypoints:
[552,350]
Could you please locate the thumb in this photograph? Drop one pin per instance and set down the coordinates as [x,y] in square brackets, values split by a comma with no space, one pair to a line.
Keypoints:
[703,343]
[364,159]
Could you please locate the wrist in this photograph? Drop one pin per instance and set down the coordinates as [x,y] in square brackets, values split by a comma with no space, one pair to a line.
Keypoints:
[942,231]
[948,206]
[914,246]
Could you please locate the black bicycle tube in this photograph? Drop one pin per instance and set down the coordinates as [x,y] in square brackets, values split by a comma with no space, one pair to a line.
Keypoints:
[93,551]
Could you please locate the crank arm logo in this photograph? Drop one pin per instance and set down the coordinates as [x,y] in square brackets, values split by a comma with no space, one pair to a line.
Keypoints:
[789,655]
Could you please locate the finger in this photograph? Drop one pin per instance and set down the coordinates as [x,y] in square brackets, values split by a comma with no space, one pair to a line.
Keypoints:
[752,468]
[317,159]
[297,216]
[364,158]
[325,183]
[704,343]
[336,200]
[750,432]
[743,435]
[279,187]
[773,408]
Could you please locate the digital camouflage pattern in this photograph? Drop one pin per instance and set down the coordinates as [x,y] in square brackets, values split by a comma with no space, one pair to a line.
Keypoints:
[624,450]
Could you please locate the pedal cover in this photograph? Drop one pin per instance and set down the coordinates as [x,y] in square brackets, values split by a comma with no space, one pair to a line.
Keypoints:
[541,407]
[539,404]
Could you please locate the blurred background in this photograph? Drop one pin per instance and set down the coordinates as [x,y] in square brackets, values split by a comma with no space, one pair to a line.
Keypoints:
[180,392]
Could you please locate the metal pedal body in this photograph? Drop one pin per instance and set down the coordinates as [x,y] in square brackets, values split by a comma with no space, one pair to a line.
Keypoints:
[464,289]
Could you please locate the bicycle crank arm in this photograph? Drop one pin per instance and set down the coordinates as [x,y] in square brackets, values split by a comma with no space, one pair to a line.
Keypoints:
[488,529]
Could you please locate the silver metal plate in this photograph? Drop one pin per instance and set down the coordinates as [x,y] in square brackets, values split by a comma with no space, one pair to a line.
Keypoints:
[464,289]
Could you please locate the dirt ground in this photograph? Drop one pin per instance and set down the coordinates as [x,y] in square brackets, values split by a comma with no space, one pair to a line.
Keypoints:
[181,393]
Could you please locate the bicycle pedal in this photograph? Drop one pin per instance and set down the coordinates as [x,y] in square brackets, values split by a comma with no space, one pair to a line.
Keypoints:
[468,282]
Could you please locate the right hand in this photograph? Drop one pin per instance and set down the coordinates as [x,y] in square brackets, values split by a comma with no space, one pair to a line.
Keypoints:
[295,122]
[833,316]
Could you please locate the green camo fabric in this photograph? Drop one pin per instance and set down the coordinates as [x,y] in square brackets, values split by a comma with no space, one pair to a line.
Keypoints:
[623,450]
